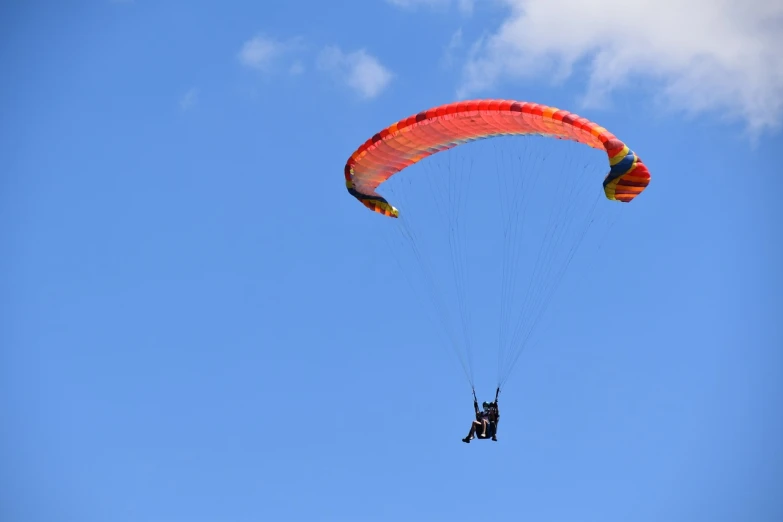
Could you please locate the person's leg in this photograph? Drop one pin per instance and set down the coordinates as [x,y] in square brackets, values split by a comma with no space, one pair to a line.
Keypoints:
[472,432]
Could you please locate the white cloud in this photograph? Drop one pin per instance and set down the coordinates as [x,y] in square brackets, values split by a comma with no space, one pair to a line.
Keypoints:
[296,68]
[699,55]
[260,52]
[189,99]
[464,6]
[358,69]
[455,43]
[408,4]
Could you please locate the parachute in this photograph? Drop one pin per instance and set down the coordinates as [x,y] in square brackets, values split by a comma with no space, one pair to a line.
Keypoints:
[408,142]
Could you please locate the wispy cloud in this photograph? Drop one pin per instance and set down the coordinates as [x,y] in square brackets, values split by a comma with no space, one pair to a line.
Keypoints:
[260,52]
[700,55]
[296,68]
[464,6]
[455,43]
[189,99]
[268,55]
[358,69]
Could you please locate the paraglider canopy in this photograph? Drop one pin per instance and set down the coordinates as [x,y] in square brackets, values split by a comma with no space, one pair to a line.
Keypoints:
[414,138]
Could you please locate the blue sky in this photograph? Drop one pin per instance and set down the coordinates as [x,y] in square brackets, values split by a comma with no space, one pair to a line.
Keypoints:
[199,324]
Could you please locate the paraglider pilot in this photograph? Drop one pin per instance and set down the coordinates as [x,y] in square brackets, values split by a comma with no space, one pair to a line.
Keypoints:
[486,424]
